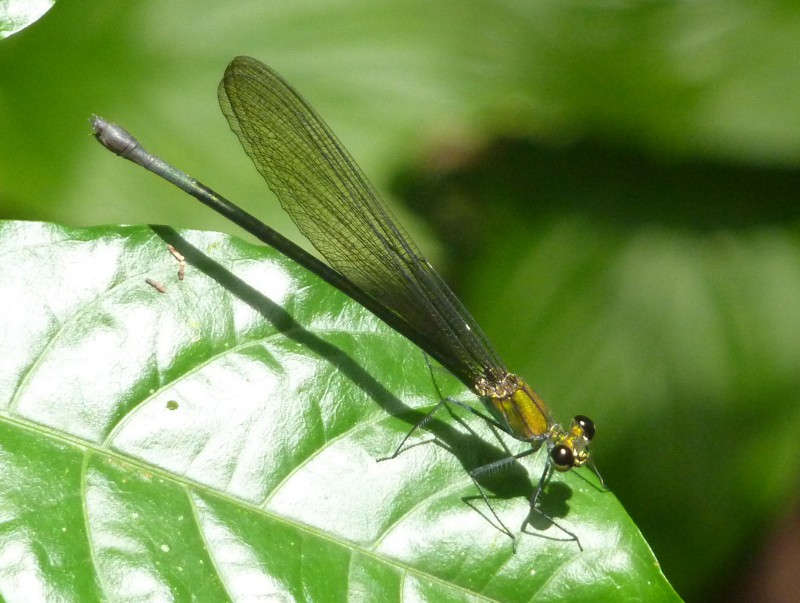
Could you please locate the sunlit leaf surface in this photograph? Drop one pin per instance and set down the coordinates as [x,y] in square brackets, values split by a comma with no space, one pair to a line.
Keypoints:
[16,15]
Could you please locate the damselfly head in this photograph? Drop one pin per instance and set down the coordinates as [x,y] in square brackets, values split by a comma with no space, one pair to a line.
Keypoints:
[570,448]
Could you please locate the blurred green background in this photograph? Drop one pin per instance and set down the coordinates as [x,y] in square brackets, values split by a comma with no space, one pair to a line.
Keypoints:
[611,186]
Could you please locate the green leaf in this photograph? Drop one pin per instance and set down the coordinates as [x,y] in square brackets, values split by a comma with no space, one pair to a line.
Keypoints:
[219,441]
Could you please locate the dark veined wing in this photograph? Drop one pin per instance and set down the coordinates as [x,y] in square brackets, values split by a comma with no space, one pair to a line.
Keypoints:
[334,205]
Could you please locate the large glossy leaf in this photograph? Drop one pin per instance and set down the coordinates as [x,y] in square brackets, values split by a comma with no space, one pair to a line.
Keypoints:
[219,441]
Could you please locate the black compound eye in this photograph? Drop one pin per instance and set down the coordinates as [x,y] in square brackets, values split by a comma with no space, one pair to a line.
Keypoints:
[586,424]
[562,456]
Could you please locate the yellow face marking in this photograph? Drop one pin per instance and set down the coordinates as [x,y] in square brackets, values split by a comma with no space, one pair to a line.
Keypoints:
[576,440]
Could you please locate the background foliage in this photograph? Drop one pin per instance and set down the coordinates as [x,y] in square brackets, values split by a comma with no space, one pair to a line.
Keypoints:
[629,243]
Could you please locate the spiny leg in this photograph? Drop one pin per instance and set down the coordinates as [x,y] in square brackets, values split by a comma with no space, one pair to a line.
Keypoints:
[543,480]
[443,401]
[491,468]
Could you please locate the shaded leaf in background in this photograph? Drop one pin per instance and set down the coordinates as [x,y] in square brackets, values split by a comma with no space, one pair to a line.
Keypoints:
[219,440]
[662,300]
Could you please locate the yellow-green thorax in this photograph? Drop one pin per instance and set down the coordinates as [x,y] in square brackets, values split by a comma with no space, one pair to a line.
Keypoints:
[521,408]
